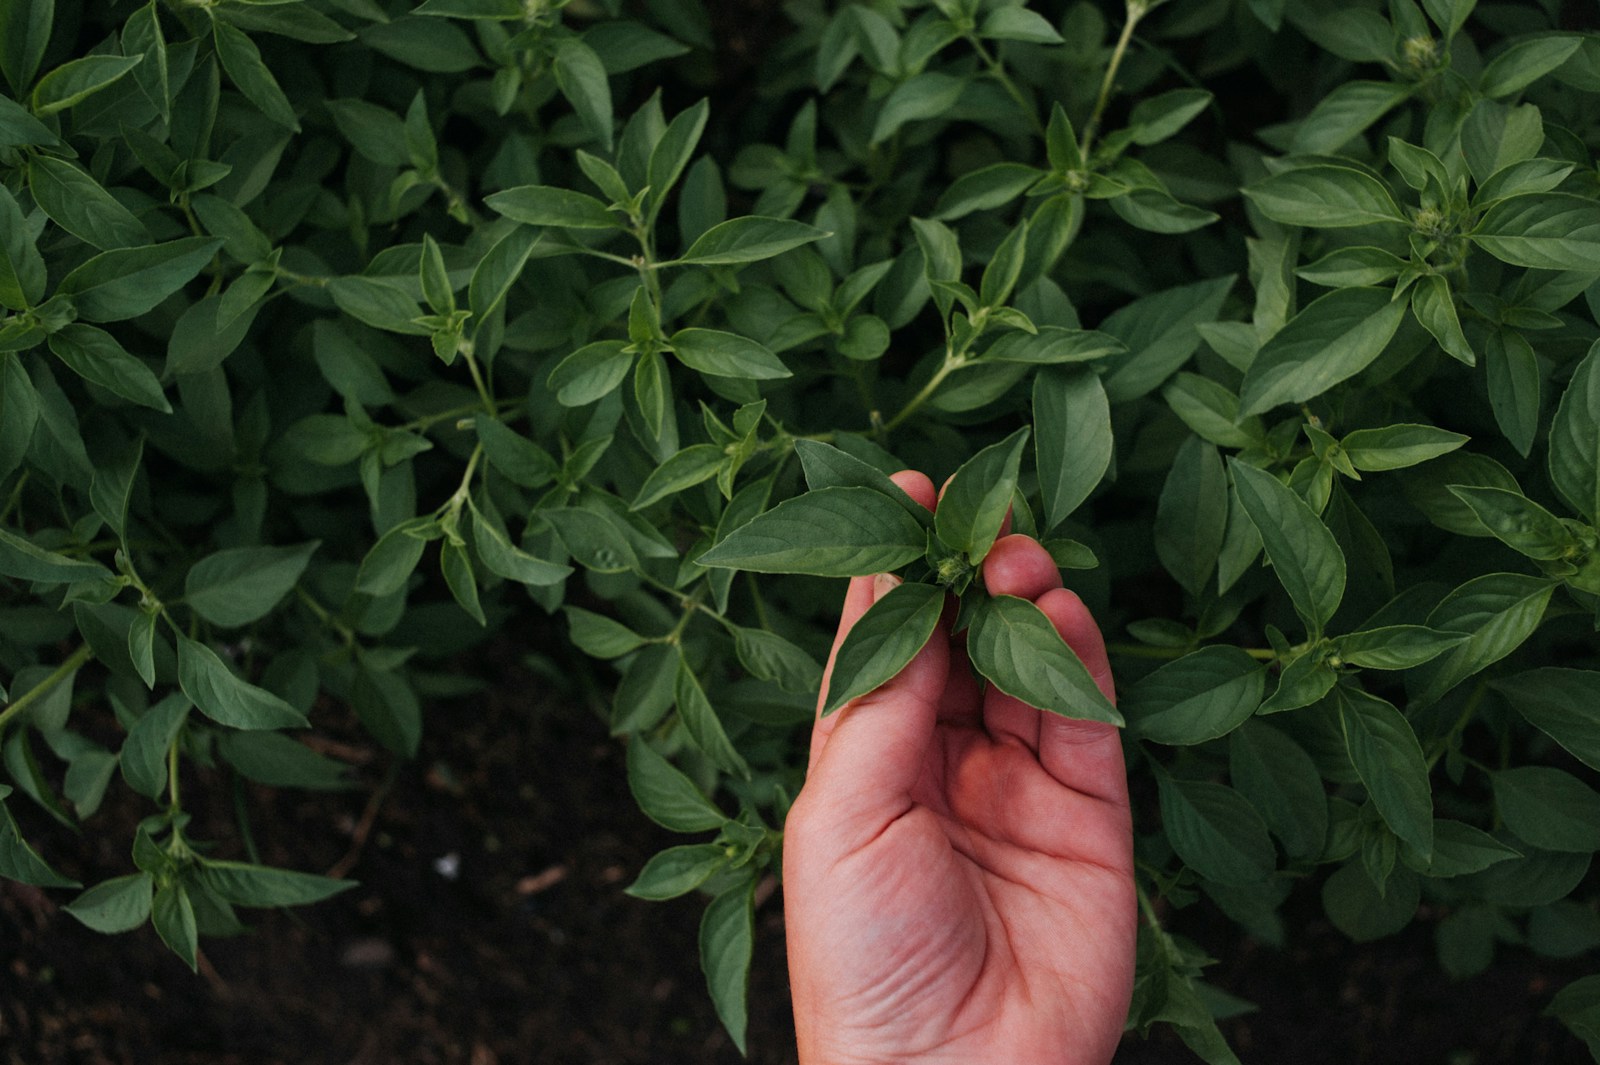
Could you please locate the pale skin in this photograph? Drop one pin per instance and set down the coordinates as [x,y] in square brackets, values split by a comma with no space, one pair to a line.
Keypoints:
[958,869]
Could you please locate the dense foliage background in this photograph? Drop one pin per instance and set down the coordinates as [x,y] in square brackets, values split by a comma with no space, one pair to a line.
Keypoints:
[341,335]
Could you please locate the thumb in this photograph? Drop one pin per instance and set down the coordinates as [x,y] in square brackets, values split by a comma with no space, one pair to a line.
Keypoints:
[878,741]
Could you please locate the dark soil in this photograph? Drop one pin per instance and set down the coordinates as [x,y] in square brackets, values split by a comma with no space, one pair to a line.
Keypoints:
[490,927]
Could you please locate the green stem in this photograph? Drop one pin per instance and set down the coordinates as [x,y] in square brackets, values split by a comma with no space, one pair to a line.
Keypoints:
[1467,711]
[1136,11]
[173,790]
[40,690]
[346,633]
[16,495]
[951,364]
[480,384]
[1014,90]
[1141,650]
[1147,906]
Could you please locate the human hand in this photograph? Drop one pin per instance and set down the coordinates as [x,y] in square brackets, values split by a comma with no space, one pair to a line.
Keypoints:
[958,868]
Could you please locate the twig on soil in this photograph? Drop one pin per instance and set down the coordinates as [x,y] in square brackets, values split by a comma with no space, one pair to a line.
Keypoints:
[363,829]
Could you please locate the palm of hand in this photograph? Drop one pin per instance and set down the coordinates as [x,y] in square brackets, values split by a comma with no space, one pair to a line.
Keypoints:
[957,871]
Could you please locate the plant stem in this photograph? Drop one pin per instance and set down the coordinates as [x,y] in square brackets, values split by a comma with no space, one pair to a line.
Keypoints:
[40,690]
[1014,90]
[1142,650]
[480,384]
[173,791]
[1467,710]
[1136,11]
[952,362]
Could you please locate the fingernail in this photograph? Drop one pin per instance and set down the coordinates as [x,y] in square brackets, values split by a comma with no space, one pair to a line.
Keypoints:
[881,585]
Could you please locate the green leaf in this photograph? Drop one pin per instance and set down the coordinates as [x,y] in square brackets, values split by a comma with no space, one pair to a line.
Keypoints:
[388,709]
[1574,459]
[882,641]
[1459,849]
[726,355]
[1525,62]
[1395,646]
[1353,267]
[173,915]
[497,271]
[591,373]
[127,282]
[978,496]
[1192,515]
[1215,831]
[1017,23]
[1434,307]
[1560,703]
[666,796]
[1514,386]
[923,96]
[20,862]
[1281,782]
[688,467]
[1160,333]
[748,240]
[118,905]
[1053,344]
[1546,231]
[1211,411]
[144,752]
[1395,447]
[27,562]
[727,942]
[1519,522]
[22,272]
[1549,808]
[677,871]
[77,203]
[1072,418]
[770,657]
[582,78]
[599,636]
[242,60]
[1302,551]
[985,188]
[1201,696]
[375,132]
[832,532]
[389,562]
[1325,197]
[95,355]
[278,761]
[24,33]
[1346,112]
[674,150]
[1358,909]
[546,205]
[224,697]
[456,565]
[258,885]
[705,729]
[1156,118]
[243,584]
[1497,612]
[75,81]
[515,457]
[1017,649]
[505,559]
[1332,339]
[1388,759]
[826,466]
